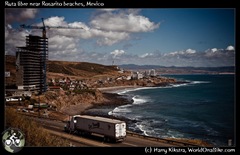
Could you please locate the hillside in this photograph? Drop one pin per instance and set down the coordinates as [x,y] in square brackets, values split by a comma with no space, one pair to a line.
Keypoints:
[80,69]
[85,70]
[181,70]
[59,69]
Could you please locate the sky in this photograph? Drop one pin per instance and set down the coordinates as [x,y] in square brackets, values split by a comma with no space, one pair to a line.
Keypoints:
[197,37]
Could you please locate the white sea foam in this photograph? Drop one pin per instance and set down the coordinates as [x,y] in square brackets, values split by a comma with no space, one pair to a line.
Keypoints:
[186,84]
[162,120]
[169,86]
[121,110]
[198,82]
[148,128]
[143,88]
[123,91]
[134,89]
[110,113]
[138,100]
[142,128]
[177,85]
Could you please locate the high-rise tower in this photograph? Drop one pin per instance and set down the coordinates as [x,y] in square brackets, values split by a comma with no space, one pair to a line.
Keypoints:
[31,64]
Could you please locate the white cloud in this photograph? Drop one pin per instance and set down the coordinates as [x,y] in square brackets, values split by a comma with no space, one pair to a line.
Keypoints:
[209,58]
[230,48]
[190,51]
[13,39]
[109,38]
[120,24]
[16,37]
[107,28]
[103,37]
[55,21]
[146,55]
[180,58]
[117,53]
[123,21]
[214,50]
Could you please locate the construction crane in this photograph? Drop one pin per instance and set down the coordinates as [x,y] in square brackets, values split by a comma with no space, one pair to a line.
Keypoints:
[44,54]
[44,27]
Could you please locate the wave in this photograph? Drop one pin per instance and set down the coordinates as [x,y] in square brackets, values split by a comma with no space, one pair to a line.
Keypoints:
[153,105]
[185,84]
[177,85]
[121,110]
[142,128]
[169,86]
[199,82]
[138,100]
[163,128]
[134,89]
[151,127]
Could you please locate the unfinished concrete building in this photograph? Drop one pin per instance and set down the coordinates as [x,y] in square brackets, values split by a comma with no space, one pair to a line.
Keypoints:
[31,64]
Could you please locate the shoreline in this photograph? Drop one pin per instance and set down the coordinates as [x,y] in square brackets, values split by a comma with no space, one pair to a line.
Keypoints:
[112,94]
[114,89]
[114,100]
[103,111]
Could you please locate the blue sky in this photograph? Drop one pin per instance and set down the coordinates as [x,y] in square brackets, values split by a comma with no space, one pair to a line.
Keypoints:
[155,36]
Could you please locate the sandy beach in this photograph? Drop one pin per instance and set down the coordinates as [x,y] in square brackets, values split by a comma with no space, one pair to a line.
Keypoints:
[117,88]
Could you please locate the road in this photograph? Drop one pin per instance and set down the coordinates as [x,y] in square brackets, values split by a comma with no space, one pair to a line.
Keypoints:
[133,140]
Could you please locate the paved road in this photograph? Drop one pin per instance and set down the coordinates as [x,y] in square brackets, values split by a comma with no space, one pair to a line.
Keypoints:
[132,140]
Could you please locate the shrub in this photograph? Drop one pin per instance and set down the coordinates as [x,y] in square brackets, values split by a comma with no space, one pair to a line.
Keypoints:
[34,133]
[82,91]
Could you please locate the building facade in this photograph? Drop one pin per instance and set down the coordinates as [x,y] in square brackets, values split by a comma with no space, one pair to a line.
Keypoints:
[31,64]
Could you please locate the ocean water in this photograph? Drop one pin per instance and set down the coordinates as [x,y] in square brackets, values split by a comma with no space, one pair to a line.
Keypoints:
[201,109]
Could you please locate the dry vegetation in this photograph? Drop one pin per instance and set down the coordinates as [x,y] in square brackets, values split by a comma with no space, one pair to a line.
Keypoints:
[35,135]
[63,69]
[73,103]
[80,69]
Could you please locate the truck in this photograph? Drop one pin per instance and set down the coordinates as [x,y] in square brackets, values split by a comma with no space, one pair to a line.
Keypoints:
[109,129]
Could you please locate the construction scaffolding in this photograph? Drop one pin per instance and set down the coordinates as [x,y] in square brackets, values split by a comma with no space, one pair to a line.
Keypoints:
[32,64]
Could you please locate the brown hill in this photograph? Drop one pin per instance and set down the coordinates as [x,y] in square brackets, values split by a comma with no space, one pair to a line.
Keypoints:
[80,69]
[60,69]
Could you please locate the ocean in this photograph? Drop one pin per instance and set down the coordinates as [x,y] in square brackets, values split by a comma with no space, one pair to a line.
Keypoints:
[201,109]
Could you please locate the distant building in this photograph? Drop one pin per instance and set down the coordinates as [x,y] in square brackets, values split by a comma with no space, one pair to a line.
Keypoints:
[152,72]
[128,78]
[136,75]
[31,64]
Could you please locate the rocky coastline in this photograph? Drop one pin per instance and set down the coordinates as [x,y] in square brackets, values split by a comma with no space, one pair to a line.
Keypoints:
[116,100]
[83,102]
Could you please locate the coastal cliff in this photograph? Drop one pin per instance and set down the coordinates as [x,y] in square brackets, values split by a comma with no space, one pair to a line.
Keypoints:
[76,103]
